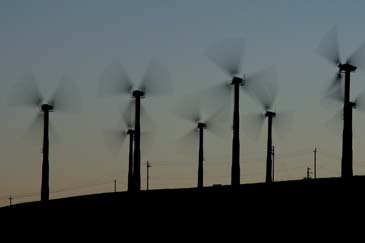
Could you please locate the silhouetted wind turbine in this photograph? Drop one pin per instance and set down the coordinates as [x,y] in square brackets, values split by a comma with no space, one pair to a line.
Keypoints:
[329,49]
[227,55]
[266,98]
[65,98]
[336,94]
[115,80]
[116,137]
[190,110]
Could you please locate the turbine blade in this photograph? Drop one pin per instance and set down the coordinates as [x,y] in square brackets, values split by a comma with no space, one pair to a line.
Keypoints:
[128,114]
[54,136]
[156,80]
[219,94]
[114,139]
[188,142]
[252,124]
[335,123]
[334,92]
[114,80]
[147,139]
[282,123]
[214,122]
[26,92]
[147,123]
[262,87]
[358,58]
[360,101]
[328,47]
[66,98]
[189,109]
[34,132]
[227,55]
[335,82]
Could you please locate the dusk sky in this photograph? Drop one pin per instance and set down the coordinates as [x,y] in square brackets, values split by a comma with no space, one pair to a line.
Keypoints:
[79,38]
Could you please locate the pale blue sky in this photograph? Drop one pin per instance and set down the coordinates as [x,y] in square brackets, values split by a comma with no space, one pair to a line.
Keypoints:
[79,38]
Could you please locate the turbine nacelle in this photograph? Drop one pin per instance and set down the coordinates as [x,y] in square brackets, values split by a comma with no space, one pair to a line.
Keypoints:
[202,125]
[47,107]
[237,80]
[138,93]
[270,114]
[346,67]
[353,104]
[130,131]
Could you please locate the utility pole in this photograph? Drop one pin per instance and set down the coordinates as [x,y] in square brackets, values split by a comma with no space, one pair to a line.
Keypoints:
[10,200]
[315,162]
[115,185]
[273,162]
[309,173]
[148,166]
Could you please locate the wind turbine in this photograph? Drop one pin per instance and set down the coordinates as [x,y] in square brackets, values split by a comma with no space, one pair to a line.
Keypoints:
[227,55]
[329,49]
[280,120]
[190,110]
[116,137]
[65,98]
[115,81]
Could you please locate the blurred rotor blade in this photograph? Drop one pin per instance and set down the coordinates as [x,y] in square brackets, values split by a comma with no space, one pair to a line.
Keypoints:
[128,114]
[189,141]
[252,124]
[328,47]
[114,139]
[34,132]
[335,124]
[219,94]
[282,123]
[26,92]
[114,80]
[262,87]
[214,123]
[360,101]
[189,109]
[335,82]
[54,136]
[147,123]
[334,94]
[358,58]
[156,80]
[147,139]
[66,98]
[227,55]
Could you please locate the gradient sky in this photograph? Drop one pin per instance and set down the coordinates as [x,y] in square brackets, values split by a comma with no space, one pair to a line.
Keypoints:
[79,38]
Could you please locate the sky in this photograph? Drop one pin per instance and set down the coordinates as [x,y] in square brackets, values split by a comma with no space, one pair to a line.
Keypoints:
[80,38]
